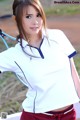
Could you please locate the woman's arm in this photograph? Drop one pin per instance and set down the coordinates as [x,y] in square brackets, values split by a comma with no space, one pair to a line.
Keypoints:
[75,76]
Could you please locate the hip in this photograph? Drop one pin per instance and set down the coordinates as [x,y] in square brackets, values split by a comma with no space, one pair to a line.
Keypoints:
[66,114]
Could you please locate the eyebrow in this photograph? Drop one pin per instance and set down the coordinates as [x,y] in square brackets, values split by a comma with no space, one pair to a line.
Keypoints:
[31,14]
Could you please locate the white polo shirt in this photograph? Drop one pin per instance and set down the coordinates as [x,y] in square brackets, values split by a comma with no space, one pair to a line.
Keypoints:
[48,75]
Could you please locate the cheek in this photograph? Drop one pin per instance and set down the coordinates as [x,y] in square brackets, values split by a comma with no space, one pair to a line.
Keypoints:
[25,23]
[41,22]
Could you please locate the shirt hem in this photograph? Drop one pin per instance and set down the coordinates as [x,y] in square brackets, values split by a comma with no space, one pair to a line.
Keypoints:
[41,110]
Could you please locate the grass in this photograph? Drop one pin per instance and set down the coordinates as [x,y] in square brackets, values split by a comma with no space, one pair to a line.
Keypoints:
[4,77]
[59,9]
[77,63]
[2,0]
[10,107]
[63,10]
[5,7]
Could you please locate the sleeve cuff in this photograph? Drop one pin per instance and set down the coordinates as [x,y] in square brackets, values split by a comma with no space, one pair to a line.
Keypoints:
[73,54]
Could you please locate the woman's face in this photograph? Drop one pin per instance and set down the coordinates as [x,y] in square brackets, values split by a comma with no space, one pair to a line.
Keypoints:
[32,21]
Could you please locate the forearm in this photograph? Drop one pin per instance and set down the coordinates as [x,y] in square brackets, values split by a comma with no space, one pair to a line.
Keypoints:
[76,78]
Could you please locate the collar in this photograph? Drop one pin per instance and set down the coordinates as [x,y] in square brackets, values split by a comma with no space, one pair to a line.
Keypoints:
[25,43]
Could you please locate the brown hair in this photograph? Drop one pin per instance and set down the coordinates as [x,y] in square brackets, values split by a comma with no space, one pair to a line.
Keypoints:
[18,7]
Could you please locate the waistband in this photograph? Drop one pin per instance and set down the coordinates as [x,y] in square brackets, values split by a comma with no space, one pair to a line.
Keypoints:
[67,110]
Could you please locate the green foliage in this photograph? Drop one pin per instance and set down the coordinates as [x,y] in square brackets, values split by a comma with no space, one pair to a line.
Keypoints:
[5,7]
[10,107]
[2,47]
[2,0]
[63,10]
[77,63]
[59,9]
[4,77]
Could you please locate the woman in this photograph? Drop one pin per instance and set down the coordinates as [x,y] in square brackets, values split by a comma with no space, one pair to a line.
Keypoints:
[42,59]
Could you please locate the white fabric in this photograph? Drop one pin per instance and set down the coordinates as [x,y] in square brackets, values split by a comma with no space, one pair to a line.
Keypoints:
[49,80]
[77,108]
[15,116]
[62,40]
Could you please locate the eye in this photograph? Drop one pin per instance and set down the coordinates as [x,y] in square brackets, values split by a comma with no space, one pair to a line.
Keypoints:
[28,16]
[38,15]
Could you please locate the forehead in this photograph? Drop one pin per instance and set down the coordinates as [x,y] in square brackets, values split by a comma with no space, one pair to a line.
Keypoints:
[30,10]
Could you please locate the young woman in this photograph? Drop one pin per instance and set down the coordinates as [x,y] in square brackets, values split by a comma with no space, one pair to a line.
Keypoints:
[42,59]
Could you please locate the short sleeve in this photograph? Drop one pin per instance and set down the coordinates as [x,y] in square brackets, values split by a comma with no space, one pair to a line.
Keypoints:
[6,61]
[64,42]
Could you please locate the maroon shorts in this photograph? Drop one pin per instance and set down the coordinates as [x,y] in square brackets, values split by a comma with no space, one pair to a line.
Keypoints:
[67,114]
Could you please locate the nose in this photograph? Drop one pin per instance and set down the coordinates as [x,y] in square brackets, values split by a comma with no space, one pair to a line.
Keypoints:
[35,21]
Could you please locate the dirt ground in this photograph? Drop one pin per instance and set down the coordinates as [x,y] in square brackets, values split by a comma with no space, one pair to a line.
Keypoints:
[69,24]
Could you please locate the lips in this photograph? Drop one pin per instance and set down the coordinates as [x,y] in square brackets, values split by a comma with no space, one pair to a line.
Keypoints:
[34,28]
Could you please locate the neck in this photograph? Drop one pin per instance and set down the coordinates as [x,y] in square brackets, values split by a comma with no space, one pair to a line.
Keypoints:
[35,41]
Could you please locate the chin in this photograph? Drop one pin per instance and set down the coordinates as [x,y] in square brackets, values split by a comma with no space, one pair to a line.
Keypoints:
[35,32]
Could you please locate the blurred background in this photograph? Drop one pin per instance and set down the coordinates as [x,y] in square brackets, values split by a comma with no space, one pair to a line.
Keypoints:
[60,15]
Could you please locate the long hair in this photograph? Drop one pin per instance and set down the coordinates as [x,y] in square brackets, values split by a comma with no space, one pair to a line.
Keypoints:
[18,9]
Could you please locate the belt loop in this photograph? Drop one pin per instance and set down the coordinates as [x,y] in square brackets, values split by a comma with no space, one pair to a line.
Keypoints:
[58,116]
